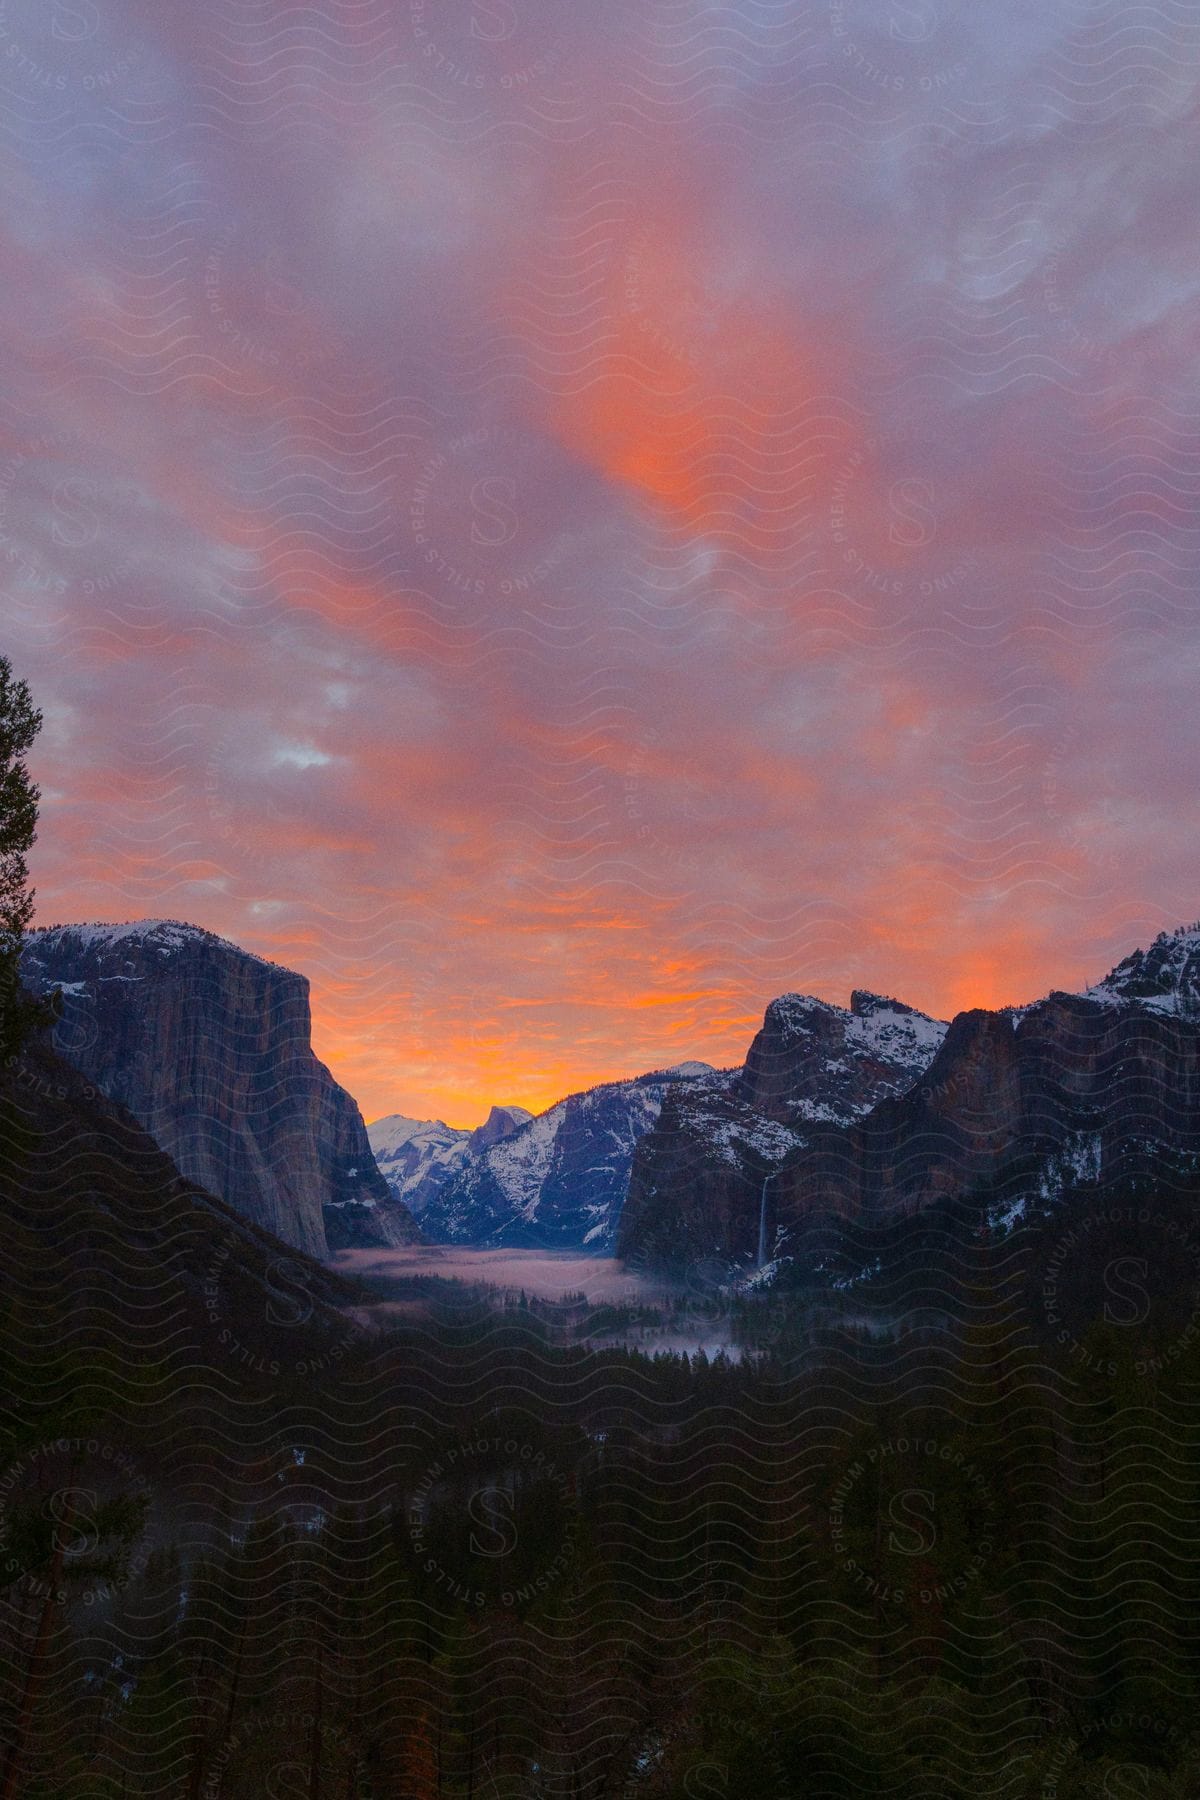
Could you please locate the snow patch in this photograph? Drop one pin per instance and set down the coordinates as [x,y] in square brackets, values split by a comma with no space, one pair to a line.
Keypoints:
[163,935]
[1079,1160]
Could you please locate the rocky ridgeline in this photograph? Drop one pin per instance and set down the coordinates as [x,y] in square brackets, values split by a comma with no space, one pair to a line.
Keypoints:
[697,1181]
[869,1112]
[209,1047]
[1101,1085]
[557,1181]
[417,1157]
[560,1180]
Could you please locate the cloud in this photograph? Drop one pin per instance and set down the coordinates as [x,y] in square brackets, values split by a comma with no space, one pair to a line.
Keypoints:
[564,523]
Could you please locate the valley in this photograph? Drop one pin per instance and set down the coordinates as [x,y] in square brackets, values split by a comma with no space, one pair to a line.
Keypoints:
[395,1428]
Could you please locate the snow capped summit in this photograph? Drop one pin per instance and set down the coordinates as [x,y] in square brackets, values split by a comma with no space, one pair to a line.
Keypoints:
[865,1003]
[896,1033]
[559,1178]
[1165,978]
[417,1157]
[795,1012]
[162,935]
[397,1129]
[815,1061]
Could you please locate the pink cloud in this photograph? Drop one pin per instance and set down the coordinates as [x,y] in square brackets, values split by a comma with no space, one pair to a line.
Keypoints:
[566,536]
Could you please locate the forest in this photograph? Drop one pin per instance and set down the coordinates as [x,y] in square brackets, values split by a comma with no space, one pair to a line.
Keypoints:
[449,1558]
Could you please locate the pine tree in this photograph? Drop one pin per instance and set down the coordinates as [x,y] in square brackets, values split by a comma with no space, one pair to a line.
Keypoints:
[20,723]
[68,1540]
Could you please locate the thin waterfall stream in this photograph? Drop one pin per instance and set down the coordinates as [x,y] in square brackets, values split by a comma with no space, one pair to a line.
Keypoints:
[762,1224]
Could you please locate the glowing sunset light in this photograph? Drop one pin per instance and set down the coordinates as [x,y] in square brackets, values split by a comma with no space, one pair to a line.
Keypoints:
[559,598]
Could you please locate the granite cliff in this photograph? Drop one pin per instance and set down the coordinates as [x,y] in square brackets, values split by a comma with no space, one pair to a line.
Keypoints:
[209,1049]
[1020,1103]
[701,1179]
[116,1255]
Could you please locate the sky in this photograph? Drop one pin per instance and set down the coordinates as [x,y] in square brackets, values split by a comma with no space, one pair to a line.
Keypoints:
[565,522]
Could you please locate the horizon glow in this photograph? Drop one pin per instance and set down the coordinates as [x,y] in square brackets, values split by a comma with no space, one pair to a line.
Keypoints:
[563,524]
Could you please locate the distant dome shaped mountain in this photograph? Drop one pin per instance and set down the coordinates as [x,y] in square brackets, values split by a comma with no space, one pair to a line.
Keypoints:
[500,1123]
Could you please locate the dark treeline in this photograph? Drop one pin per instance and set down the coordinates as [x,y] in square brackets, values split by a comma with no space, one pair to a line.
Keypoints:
[449,1559]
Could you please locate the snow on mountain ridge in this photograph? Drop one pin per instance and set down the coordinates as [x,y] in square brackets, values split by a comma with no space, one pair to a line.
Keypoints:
[165,934]
[1165,978]
[814,1061]
[417,1157]
[894,1031]
[560,1177]
[395,1130]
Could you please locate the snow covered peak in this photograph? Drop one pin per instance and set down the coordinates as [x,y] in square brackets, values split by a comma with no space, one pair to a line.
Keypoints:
[163,935]
[798,1012]
[394,1132]
[894,1032]
[560,1178]
[815,1061]
[1164,978]
[416,1157]
[866,1004]
[874,1022]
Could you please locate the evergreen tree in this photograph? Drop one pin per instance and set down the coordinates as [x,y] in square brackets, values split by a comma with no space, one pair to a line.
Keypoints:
[20,723]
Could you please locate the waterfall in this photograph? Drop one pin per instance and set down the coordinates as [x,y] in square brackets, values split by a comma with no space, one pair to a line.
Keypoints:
[762,1224]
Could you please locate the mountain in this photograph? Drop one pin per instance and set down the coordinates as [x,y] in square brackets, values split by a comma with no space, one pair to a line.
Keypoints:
[812,1061]
[122,1262]
[558,1180]
[1165,978]
[1020,1103]
[500,1123]
[417,1157]
[697,1179]
[209,1047]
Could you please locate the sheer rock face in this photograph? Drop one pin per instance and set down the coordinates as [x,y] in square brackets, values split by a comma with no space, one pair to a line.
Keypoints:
[696,1187]
[1101,1085]
[1012,1101]
[209,1048]
[500,1123]
[93,1208]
